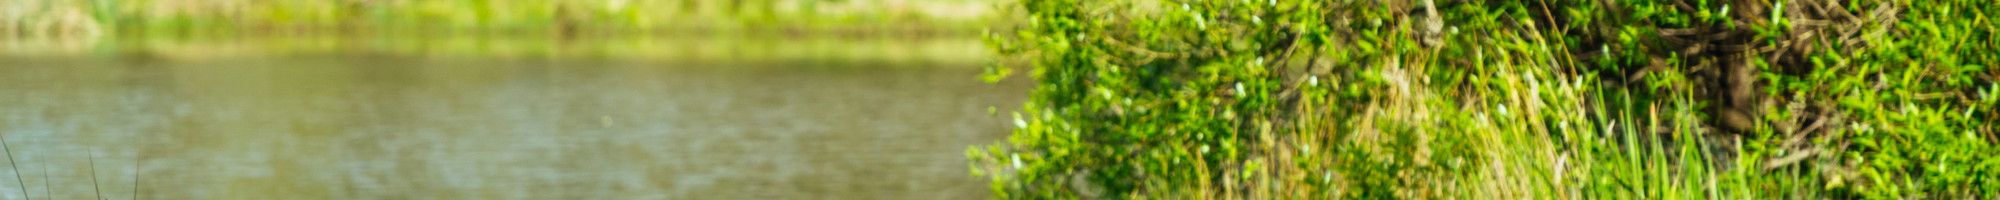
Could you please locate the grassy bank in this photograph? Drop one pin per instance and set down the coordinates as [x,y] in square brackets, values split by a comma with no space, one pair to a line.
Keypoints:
[1585,99]
[94,18]
[670,31]
[704,51]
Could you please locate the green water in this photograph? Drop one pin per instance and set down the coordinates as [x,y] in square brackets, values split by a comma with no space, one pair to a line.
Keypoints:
[496,118]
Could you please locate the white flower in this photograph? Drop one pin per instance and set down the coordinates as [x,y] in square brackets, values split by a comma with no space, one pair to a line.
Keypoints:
[1199,22]
[1780,11]
[1017,160]
[1613,127]
[1326,176]
[1604,48]
[1018,123]
[1239,89]
[1562,164]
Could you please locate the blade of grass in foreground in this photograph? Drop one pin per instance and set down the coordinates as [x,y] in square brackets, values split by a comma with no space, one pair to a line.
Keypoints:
[17,167]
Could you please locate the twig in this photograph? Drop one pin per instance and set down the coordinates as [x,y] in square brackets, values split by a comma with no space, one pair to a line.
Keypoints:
[138,159]
[17,167]
[1790,159]
[46,193]
[94,186]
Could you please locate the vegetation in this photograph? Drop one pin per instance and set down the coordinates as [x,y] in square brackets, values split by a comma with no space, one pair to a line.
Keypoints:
[738,31]
[1510,99]
[88,18]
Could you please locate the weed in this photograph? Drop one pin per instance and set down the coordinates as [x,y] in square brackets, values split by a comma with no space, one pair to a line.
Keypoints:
[1543,99]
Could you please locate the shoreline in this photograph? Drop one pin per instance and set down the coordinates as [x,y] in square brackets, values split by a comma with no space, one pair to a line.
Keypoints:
[952,50]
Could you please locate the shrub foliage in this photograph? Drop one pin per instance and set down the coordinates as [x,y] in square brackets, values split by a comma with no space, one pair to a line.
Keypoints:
[1732,99]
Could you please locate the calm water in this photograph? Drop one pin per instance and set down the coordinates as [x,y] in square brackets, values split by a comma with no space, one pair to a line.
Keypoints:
[368,126]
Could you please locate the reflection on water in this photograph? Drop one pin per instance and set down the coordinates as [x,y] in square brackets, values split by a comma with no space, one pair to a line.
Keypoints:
[379,127]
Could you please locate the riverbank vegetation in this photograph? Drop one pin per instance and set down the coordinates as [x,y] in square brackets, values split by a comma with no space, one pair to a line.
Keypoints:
[766,31]
[1671,99]
[127,18]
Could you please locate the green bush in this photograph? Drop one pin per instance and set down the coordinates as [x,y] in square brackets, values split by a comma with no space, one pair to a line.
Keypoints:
[1499,99]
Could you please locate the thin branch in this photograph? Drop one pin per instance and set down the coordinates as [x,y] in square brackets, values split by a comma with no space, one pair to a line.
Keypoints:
[138,159]
[46,193]
[1790,159]
[17,167]
[94,186]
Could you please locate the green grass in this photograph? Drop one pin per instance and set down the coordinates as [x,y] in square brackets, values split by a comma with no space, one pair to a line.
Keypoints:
[765,31]
[92,18]
[1650,99]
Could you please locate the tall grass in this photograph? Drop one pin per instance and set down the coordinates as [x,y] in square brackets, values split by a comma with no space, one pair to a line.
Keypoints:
[1646,99]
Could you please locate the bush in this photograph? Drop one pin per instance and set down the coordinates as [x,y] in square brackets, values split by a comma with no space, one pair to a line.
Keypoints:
[1506,99]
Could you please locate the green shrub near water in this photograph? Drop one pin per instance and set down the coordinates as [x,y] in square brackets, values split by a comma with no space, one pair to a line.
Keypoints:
[1500,99]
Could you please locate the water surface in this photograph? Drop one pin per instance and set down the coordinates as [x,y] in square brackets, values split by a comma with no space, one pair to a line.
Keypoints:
[346,125]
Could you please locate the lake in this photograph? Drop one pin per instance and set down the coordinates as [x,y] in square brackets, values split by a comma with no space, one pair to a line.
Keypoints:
[498,118]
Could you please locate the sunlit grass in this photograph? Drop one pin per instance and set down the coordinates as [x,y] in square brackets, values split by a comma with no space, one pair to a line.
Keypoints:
[1612,100]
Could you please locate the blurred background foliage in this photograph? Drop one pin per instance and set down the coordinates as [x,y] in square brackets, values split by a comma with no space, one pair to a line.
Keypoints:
[775,31]
[61,18]
[1654,99]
